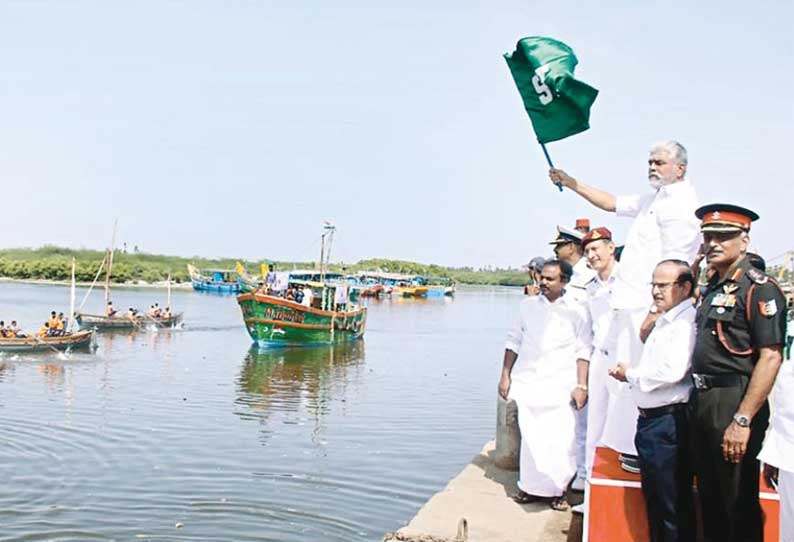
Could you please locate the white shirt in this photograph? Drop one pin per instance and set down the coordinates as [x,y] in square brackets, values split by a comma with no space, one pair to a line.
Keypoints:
[582,274]
[548,338]
[308,296]
[664,227]
[779,443]
[662,377]
[599,296]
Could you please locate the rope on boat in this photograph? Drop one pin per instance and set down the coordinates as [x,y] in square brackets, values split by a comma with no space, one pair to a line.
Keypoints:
[461,536]
[96,278]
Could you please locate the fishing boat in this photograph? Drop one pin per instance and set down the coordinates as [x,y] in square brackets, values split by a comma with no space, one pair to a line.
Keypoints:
[33,343]
[439,286]
[71,340]
[330,318]
[221,281]
[399,284]
[120,321]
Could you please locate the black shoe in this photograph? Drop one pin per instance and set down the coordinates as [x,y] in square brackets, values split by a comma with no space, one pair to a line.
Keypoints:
[629,463]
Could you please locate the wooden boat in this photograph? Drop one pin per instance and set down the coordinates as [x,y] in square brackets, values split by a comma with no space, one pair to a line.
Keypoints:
[274,321]
[398,284]
[78,339]
[439,286]
[219,281]
[98,321]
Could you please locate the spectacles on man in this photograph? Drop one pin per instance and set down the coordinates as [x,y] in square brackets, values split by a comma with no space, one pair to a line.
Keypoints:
[663,286]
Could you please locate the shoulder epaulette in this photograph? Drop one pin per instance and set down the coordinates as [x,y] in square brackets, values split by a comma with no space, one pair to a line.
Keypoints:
[757,276]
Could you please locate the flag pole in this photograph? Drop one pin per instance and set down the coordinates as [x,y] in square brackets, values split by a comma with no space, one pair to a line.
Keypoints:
[548,159]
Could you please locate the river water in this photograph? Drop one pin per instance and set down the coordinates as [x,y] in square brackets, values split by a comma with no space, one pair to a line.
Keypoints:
[190,434]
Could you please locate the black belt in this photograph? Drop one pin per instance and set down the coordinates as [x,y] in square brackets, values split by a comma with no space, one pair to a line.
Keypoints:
[660,411]
[705,382]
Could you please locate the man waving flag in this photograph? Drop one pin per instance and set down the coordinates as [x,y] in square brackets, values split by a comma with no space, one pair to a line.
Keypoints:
[557,103]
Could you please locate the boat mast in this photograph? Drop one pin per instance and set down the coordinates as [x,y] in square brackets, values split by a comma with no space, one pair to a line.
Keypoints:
[109,259]
[71,298]
[168,301]
[325,256]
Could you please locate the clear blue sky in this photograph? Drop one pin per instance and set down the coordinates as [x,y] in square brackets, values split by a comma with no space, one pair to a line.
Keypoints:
[236,128]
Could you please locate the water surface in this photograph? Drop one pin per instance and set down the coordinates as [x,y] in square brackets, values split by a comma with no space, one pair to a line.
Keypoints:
[191,434]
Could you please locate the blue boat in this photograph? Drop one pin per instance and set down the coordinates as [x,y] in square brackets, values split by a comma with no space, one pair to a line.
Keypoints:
[220,281]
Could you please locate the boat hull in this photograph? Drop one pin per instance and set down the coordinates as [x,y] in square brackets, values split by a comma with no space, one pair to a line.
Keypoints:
[97,321]
[79,339]
[216,287]
[275,322]
[440,291]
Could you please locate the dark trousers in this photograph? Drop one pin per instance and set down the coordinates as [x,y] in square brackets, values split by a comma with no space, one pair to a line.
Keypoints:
[663,451]
[728,492]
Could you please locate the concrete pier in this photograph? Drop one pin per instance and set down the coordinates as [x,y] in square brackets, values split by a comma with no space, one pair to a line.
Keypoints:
[481,493]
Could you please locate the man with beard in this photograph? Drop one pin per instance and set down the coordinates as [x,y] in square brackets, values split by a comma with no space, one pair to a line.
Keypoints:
[661,384]
[550,337]
[663,228]
[738,351]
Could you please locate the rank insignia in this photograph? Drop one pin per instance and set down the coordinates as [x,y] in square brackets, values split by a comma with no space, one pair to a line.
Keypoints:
[767,308]
[730,288]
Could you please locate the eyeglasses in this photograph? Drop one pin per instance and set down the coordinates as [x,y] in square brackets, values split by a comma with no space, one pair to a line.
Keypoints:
[662,286]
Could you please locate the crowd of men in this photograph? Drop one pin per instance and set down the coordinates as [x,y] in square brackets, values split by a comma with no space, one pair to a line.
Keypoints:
[154,312]
[55,326]
[637,356]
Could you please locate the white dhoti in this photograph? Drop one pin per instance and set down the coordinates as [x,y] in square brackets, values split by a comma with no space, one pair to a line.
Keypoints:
[623,346]
[597,404]
[786,492]
[547,459]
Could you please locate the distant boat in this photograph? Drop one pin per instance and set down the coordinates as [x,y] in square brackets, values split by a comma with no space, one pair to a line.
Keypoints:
[121,321]
[399,284]
[220,281]
[275,321]
[439,286]
[33,343]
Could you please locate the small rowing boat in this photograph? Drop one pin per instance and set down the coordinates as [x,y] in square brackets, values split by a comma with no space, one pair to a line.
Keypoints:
[33,343]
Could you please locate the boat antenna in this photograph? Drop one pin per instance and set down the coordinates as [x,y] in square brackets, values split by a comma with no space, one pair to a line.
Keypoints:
[325,255]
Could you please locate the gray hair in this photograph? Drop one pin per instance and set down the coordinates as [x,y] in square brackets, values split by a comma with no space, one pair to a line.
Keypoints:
[676,150]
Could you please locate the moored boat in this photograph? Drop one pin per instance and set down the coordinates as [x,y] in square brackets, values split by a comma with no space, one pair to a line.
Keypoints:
[33,343]
[221,281]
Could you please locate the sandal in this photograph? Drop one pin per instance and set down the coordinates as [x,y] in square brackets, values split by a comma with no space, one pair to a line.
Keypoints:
[522,497]
[560,504]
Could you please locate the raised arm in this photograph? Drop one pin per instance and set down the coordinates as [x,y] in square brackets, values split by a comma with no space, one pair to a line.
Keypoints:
[599,198]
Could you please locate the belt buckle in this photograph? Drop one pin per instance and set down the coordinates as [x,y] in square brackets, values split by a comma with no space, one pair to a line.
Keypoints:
[699,381]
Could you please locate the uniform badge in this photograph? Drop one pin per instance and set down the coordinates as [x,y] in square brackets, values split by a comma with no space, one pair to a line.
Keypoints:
[767,308]
[730,288]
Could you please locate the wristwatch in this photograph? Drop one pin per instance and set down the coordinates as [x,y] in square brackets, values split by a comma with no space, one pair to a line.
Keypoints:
[741,420]
[582,387]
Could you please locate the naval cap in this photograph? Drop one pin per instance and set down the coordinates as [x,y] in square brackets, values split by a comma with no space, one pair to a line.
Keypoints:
[596,234]
[564,235]
[724,217]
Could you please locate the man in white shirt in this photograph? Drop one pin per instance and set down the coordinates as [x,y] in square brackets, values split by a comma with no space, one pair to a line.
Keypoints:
[568,248]
[663,228]
[778,451]
[661,384]
[550,336]
[599,250]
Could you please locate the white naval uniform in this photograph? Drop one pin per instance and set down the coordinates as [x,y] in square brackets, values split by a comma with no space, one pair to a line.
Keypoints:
[576,289]
[664,227]
[778,447]
[548,338]
[599,293]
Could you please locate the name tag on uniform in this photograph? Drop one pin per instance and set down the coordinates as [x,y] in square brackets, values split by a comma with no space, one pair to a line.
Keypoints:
[723,300]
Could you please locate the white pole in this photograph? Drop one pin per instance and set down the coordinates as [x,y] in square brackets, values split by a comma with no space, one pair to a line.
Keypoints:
[71,298]
[168,302]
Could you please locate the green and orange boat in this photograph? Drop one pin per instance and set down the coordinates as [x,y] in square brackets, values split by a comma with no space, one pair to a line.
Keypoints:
[273,321]
[323,315]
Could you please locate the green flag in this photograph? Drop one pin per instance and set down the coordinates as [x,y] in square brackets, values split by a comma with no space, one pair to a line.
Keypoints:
[558,104]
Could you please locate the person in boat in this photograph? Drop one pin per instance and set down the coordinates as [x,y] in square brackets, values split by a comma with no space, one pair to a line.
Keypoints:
[308,296]
[663,227]
[270,277]
[166,313]
[13,330]
[53,322]
[661,385]
[299,294]
[290,295]
[60,325]
[110,311]
[3,331]
[44,331]
[158,312]
[549,340]
[132,313]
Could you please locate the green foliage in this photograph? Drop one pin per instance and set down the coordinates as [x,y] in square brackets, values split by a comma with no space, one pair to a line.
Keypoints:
[54,263]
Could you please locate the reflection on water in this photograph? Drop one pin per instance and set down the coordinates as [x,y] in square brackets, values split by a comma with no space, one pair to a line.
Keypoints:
[284,385]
